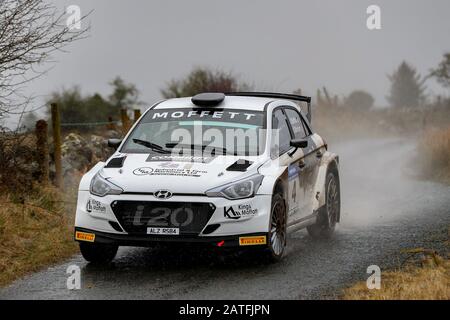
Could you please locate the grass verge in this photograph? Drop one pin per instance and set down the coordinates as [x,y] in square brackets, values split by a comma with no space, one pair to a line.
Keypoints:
[423,275]
[428,281]
[36,230]
[434,154]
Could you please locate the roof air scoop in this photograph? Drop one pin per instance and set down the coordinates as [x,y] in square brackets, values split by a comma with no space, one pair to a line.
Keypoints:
[208,99]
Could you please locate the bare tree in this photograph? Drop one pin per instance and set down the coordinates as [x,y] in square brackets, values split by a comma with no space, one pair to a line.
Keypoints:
[30,31]
[442,72]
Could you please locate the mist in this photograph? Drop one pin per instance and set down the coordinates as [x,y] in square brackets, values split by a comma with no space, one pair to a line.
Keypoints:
[277,46]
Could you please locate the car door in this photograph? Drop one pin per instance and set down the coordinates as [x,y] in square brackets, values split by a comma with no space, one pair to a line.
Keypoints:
[282,150]
[303,164]
[316,149]
[312,157]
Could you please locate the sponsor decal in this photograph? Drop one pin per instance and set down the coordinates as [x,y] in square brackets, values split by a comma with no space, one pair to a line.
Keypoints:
[142,171]
[95,206]
[241,211]
[169,165]
[180,172]
[83,236]
[293,171]
[234,115]
[175,158]
[252,241]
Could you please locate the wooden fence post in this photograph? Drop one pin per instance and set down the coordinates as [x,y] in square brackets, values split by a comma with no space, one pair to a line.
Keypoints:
[125,120]
[110,125]
[56,126]
[42,151]
[137,114]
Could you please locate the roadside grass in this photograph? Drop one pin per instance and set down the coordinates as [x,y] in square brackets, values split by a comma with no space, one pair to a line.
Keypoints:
[428,281]
[35,231]
[434,154]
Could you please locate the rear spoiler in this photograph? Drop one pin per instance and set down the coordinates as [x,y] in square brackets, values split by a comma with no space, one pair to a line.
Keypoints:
[286,96]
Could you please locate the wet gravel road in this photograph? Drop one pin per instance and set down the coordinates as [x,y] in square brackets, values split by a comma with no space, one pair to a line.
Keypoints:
[385,209]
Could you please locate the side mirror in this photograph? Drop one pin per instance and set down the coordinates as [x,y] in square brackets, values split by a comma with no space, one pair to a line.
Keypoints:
[114,143]
[299,143]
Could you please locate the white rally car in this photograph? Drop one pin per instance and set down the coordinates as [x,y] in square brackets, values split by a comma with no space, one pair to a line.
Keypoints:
[227,170]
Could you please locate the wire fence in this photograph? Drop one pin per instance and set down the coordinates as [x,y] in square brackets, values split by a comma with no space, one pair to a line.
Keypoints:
[90,124]
[124,124]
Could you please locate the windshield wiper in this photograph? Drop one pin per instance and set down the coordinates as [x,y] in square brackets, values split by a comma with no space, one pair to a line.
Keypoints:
[151,145]
[195,146]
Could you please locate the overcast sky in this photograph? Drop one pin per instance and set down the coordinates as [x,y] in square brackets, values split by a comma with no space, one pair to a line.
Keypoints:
[276,45]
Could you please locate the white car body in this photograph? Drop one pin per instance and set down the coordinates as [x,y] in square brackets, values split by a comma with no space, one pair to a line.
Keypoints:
[144,176]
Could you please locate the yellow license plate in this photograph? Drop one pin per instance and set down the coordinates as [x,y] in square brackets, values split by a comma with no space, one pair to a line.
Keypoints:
[252,241]
[83,236]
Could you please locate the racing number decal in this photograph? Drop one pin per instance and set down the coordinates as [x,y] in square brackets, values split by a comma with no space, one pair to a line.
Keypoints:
[161,220]
[168,215]
[293,171]
[138,216]
[189,217]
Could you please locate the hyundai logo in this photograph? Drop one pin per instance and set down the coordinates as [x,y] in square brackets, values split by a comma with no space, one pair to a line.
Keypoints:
[163,194]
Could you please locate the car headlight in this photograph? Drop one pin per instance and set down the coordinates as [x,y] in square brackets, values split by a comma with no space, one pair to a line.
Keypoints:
[101,187]
[245,188]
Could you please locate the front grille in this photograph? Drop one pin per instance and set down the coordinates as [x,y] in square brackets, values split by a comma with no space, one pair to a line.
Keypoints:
[136,216]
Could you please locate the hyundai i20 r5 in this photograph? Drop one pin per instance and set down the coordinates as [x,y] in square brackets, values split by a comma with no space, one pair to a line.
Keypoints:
[228,170]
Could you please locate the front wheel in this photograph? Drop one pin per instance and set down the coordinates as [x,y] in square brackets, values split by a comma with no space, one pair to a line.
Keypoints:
[329,214]
[98,253]
[276,241]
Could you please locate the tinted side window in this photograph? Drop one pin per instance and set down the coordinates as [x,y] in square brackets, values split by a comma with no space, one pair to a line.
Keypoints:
[296,123]
[284,143]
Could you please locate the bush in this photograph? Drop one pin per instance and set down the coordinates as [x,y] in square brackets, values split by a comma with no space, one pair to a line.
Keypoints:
[76,108]
[203,80]
[17,159]
[359,100]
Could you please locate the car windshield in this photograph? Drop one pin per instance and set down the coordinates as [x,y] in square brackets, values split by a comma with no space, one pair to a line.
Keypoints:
[219,131]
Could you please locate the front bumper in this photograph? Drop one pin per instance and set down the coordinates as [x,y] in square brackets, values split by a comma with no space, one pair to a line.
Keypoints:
[149,240]
[100,219]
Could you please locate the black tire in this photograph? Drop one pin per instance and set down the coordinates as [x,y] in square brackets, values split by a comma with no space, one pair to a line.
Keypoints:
[276,238]
[330,213]
[98,253]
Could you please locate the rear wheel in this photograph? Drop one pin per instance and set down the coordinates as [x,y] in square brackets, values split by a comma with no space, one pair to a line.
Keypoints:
[98,253]
[329,214]
[276,241]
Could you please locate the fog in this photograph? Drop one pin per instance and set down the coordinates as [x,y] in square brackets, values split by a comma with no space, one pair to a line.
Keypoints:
[280,46]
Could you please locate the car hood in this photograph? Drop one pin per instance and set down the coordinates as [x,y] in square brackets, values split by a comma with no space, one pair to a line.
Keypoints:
[144,173]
